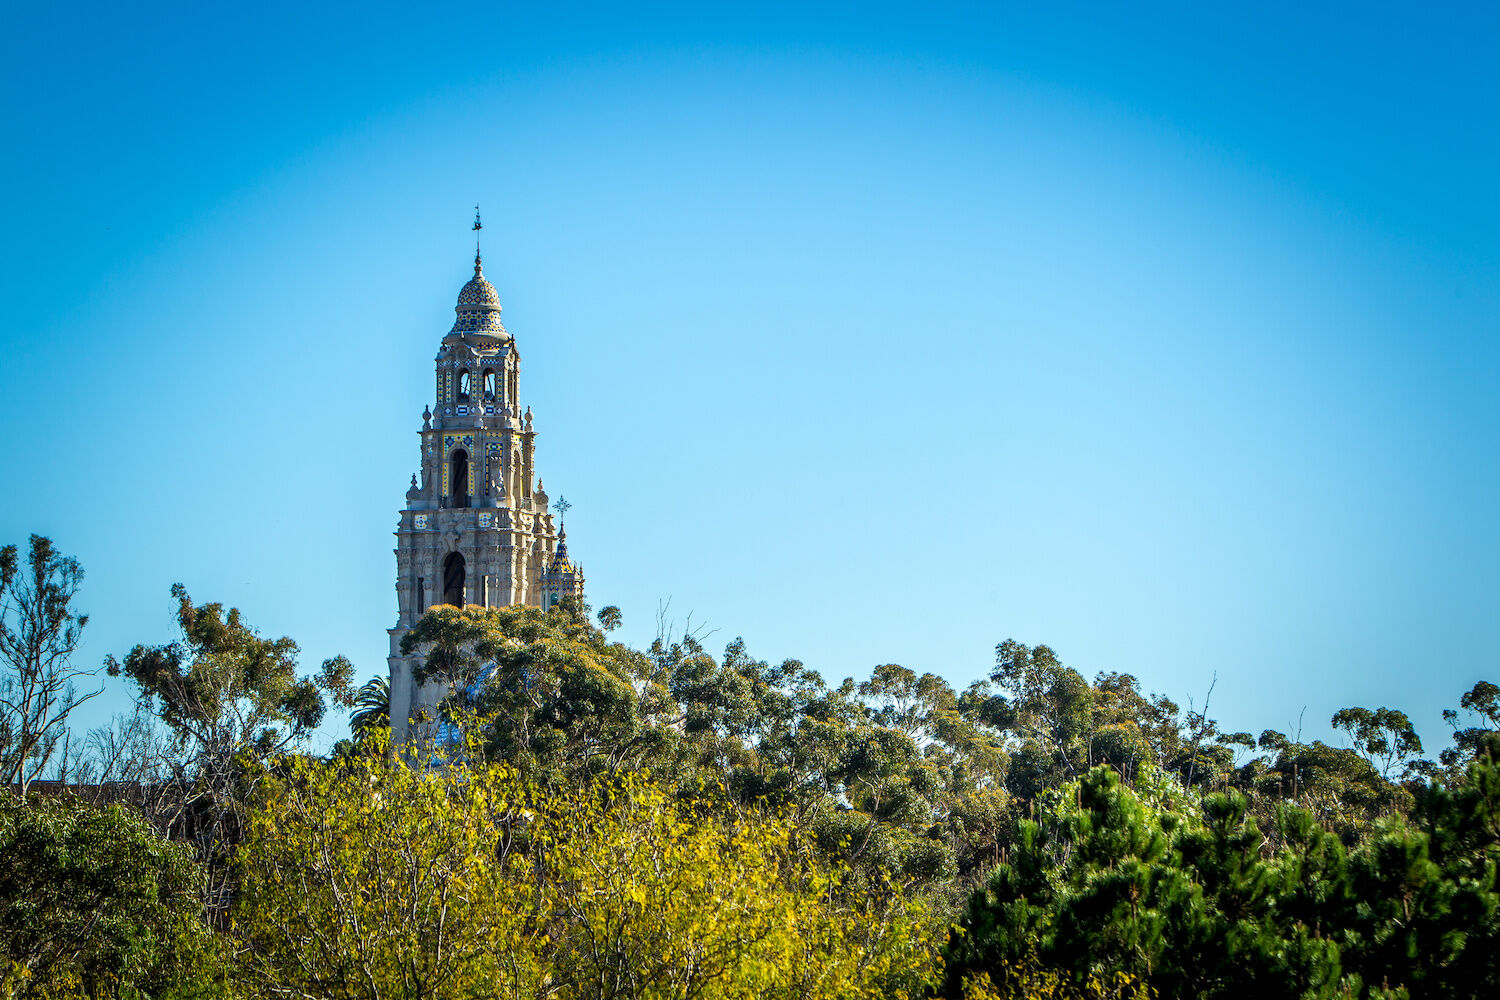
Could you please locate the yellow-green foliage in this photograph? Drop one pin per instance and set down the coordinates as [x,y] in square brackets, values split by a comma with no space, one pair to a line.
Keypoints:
[1028,979]
[368,878]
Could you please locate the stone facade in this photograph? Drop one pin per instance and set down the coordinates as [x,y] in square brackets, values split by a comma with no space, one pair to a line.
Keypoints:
[474,530]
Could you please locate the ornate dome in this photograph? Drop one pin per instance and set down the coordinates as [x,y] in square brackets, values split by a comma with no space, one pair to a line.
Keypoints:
[478,291]
[478,306]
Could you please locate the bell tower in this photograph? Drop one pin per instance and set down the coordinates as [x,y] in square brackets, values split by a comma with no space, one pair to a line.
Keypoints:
[474,529]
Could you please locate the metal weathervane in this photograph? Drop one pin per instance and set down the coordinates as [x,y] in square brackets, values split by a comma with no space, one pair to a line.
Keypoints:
[477,227]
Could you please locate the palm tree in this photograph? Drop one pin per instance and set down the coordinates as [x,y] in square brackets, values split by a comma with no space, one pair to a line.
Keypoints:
[372,708]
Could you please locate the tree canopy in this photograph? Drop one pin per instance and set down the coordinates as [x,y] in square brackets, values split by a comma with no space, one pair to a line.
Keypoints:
[586,819]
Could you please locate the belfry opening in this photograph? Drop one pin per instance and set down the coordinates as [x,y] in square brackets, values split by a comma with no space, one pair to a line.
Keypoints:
[453,579]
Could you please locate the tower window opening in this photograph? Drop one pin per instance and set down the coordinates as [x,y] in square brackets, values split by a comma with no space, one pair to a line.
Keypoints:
[421,596]
[489,385]
[453,579]
[463,386]
[460,482]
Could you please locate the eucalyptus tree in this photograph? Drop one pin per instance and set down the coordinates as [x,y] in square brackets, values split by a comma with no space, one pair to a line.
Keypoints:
[1481,736]
[1385,738]
[553,696]
[39,633]
[233,704]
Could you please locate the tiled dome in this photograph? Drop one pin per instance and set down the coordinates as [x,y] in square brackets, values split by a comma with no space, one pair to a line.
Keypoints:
[478,306]
[560,563]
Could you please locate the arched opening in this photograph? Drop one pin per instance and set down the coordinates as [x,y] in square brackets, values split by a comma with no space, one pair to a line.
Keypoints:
[464,387]
[453,579]
[459,483]
[489,385]
[421,596]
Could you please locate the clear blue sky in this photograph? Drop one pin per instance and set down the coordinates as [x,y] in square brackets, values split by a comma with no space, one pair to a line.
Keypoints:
[871,333]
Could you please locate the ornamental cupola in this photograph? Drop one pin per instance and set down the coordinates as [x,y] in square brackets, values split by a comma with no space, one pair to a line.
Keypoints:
[478,307]
[562,578]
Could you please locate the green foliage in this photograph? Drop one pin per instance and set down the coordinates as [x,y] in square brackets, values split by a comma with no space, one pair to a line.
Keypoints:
[1341,787]
[94,903]
[903,778]
[1482,737]
[1384,737]
[1426,913]
[558,699]
[1188,896]
[610,618]
[372,709]
[221,689]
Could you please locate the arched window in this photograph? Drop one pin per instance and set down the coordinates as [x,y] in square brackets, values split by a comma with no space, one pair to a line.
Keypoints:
[459,478]
[453,579]
[489,385]
[463,386]
[421,596]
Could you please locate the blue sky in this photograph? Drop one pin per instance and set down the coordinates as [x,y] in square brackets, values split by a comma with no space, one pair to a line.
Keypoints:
[870,333]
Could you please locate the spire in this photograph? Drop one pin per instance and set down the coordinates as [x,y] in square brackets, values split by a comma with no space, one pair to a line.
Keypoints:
[478,264]
[561,564]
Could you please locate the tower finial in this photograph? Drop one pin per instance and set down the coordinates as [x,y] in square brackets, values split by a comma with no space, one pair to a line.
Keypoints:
[477,227]
[561,505]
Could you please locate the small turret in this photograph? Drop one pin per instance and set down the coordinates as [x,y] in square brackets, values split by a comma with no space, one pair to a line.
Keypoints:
[562,578]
